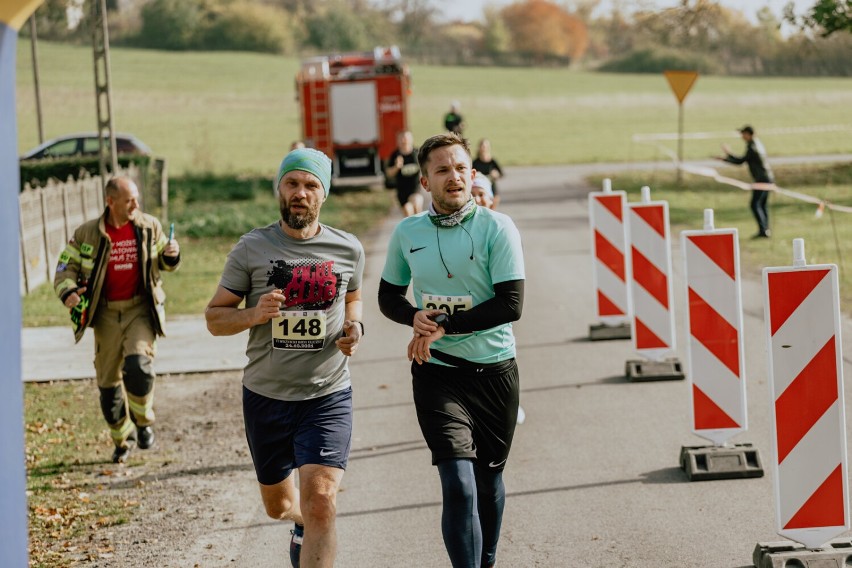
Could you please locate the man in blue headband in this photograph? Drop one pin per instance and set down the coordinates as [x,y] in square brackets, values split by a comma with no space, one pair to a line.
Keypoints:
[301,281]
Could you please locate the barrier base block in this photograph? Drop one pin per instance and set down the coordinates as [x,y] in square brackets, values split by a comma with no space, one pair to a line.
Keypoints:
[787,553]
[601,331]
[736,461]
[641,370]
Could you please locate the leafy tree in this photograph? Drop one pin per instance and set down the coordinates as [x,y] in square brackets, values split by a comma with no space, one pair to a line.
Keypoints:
[415,21]
[544,29]
[245,26]
[495,35]
[52,22]
[171,24]
[337,28]
[829,16]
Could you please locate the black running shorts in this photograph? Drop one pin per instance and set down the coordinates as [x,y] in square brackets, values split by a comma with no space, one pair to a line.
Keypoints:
[467,412]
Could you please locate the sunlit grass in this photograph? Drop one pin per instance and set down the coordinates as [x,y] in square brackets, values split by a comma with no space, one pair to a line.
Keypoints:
[236,112]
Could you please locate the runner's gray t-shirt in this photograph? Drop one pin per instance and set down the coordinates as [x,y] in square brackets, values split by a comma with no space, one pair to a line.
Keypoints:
[294,357]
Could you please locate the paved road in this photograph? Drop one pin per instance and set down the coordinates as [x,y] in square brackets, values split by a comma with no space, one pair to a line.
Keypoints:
[593,479]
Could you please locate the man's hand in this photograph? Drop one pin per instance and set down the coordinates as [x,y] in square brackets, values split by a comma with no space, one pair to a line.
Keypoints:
[423,325]
[400,161]
[268,307]
[418,347]
[73,298]
[348,344]
[172,249]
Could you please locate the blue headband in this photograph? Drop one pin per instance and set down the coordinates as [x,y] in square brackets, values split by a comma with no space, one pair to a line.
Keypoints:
[306,160]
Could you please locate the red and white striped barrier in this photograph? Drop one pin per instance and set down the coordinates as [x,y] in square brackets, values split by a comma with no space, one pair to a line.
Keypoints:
[606,217]
[808,420]
[650,282]
[714,320]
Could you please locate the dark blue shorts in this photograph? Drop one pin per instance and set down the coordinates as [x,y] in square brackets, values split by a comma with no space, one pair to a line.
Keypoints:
[285,435]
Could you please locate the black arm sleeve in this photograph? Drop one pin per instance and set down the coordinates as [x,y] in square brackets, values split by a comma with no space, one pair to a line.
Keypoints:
[504,307]
[394,305]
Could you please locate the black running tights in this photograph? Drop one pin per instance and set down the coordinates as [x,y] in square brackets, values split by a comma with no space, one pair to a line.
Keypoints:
[473,512]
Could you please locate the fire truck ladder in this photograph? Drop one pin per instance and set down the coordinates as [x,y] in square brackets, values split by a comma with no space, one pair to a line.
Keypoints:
[320,116]
[108,155]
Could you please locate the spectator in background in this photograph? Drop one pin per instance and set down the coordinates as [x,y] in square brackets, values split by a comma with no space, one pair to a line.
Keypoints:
[481,191]
[488,166]
[453,121]
[402,167]
[755,157]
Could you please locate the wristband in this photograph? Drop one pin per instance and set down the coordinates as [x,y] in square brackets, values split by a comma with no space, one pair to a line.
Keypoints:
[362,325]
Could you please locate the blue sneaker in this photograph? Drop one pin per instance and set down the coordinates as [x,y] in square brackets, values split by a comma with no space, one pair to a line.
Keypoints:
[298,533]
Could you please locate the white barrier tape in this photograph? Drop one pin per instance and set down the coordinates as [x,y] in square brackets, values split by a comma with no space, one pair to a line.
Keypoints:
[712,173]
[727,134]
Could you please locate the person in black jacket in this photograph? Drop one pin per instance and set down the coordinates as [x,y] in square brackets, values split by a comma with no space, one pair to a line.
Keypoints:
[488,166]
[758,166]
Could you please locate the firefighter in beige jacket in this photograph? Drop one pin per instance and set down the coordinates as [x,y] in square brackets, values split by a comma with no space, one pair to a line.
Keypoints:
[109,278]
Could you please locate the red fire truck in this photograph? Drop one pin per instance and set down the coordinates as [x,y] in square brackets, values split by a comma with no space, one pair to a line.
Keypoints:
[353,105]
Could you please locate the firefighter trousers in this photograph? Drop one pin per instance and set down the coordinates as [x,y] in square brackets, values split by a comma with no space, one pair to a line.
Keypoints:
[125,345]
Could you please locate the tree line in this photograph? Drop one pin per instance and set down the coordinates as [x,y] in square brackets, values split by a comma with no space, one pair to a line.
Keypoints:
[701,35]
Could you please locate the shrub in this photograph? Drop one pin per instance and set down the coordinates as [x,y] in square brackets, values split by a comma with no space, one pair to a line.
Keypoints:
[170,24]
[37,172]
[244,26]
[657,60]
[195,188]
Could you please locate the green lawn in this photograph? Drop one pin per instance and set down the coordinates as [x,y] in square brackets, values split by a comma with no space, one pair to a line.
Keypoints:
[236,112]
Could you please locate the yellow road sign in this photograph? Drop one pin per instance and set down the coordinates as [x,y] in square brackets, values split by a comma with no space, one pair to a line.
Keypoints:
[681,82]
[14,13]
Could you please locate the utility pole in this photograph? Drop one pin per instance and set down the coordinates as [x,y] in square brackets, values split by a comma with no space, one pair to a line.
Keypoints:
[34,49]
[107,152]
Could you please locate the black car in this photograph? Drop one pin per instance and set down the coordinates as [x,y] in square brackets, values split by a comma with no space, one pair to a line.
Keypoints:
[85,144]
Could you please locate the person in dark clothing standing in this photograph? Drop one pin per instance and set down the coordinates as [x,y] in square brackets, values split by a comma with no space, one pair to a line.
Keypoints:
[453,120]
[488,166]
[758,166]
[402,167]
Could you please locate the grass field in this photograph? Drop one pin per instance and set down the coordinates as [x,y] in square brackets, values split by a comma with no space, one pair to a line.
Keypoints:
[236,112]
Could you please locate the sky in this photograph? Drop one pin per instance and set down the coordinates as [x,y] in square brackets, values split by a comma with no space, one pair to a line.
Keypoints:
[472,9]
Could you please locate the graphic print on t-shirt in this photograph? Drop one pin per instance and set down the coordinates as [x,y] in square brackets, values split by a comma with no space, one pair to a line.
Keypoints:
[312,285]
[123,264]
[308,283]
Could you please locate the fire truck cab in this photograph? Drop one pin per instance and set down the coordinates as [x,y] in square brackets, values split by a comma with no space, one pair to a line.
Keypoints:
[352,106]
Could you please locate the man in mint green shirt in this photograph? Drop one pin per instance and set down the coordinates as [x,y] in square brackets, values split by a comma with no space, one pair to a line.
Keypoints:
[465,264]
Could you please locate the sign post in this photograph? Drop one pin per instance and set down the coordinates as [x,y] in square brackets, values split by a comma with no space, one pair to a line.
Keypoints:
[13,479]
[680,82]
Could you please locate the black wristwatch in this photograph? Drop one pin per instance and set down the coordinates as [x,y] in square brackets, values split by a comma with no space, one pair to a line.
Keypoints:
[441,319]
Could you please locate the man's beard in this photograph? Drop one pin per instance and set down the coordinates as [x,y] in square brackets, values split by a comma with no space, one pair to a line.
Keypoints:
[299,220]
